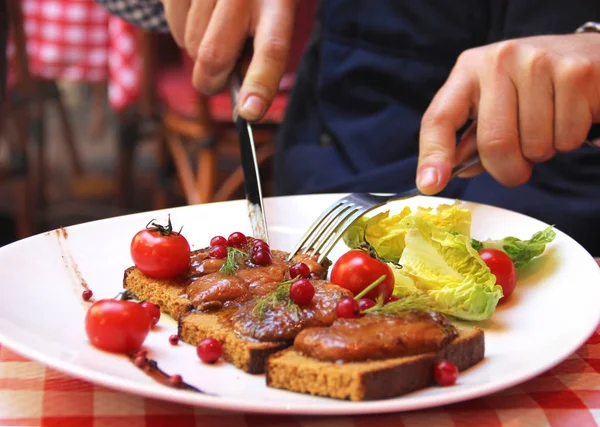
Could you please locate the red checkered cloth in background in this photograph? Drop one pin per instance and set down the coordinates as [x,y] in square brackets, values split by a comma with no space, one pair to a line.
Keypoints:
[34,395]
[77,40]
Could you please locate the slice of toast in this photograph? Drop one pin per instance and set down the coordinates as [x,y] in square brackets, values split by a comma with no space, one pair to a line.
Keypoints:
[168,294]
[370,380]
[245,353]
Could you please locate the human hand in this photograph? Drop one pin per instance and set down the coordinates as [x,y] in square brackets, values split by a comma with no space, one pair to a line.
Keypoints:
[214,33]
[529,98]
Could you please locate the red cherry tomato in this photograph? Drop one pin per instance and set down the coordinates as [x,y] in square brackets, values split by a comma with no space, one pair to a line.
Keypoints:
[356,269]
[159,252]
[445,373]
[503,268]
[153,311]
[117,326]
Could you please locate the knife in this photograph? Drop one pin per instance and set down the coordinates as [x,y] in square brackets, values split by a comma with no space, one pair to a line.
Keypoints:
[254,198]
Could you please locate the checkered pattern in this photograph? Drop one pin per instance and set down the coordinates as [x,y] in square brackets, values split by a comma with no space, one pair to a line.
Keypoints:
[34,395]
[78,40]
[147,14]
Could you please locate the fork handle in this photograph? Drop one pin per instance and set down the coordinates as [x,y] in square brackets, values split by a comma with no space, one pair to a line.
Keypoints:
[457,170]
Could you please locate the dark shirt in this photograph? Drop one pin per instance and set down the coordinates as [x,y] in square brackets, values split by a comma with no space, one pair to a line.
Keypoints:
[370,72]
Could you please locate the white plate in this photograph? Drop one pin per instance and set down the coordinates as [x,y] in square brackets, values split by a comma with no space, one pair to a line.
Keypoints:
[553,311]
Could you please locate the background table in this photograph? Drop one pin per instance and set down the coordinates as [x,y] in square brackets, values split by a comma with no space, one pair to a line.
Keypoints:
[32,394]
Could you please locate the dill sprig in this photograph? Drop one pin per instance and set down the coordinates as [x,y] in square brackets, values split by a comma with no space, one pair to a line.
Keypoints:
[420,301]
[279,296]
[232,264]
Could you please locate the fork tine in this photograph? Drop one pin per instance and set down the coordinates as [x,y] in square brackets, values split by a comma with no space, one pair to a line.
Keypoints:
[327,226]
[316,228]
[334,237]
[317,246]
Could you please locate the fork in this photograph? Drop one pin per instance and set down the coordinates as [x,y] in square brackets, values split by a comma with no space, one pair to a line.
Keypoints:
[329,227]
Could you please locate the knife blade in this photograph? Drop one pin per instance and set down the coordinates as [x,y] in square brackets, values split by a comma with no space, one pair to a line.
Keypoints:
[252,185]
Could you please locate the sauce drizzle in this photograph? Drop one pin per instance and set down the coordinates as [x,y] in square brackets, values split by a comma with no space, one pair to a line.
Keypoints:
[150,367]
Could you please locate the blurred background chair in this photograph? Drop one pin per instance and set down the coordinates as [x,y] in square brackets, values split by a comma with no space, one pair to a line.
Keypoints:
[101,119]
[198,144]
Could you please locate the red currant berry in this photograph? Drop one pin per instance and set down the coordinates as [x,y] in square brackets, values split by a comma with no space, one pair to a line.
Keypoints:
[299,269]
[174,339]
[302,291]
[258,244]
[392,298]
[261,258]
[237,239]
[218,241]
[218,252]
[153,311]
[175,380]
[347,308]
[445,373]
[365,303]
[139,361]
[87,295]
[209,350]
[314,276]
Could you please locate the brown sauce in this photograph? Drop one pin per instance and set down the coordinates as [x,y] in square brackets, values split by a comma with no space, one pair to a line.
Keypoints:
[374,337]
[150,368]
[283,320]
[70,263]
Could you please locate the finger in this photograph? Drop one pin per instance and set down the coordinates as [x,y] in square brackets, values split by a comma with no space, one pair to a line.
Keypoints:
[176,12]
[197,21]
[536,106]
[271,49]
[497,130]
[466,149]
[221,45]
[449,110]
[572,109]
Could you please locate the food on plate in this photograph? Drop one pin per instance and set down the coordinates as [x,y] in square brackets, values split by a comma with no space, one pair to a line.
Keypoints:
[220,294]
[209,350]
[159,252]
[117,326]
[377,327]
[374,356]
[357,269]
[521,252]
[435,260]
[503,269]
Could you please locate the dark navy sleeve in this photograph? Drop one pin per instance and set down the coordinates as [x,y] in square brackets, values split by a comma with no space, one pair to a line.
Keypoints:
[146,14]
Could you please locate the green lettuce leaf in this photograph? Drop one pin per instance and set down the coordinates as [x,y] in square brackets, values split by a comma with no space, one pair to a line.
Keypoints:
[451,218]
[522,252]
[385,233]
[448,269]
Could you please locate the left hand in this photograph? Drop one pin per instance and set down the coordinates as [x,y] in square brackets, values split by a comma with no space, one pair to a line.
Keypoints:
[529,98]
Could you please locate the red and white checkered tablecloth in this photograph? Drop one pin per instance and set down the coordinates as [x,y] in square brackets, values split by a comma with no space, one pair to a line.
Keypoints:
[32,394]
[77,40]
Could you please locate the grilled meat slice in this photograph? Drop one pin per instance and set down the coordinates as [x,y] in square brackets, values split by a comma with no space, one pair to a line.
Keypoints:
[375,337]
[275,317]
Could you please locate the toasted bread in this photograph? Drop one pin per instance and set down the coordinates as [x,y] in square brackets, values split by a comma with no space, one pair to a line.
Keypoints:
[370,380]
[245,353]
[168,294]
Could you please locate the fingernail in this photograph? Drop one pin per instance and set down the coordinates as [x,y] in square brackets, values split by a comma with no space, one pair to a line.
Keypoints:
[429,178]
[253,106]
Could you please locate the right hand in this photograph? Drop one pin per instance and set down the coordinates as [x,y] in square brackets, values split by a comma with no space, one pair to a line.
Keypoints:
[214,33]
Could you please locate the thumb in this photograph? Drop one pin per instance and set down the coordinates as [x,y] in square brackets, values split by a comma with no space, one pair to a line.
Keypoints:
[448,112]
